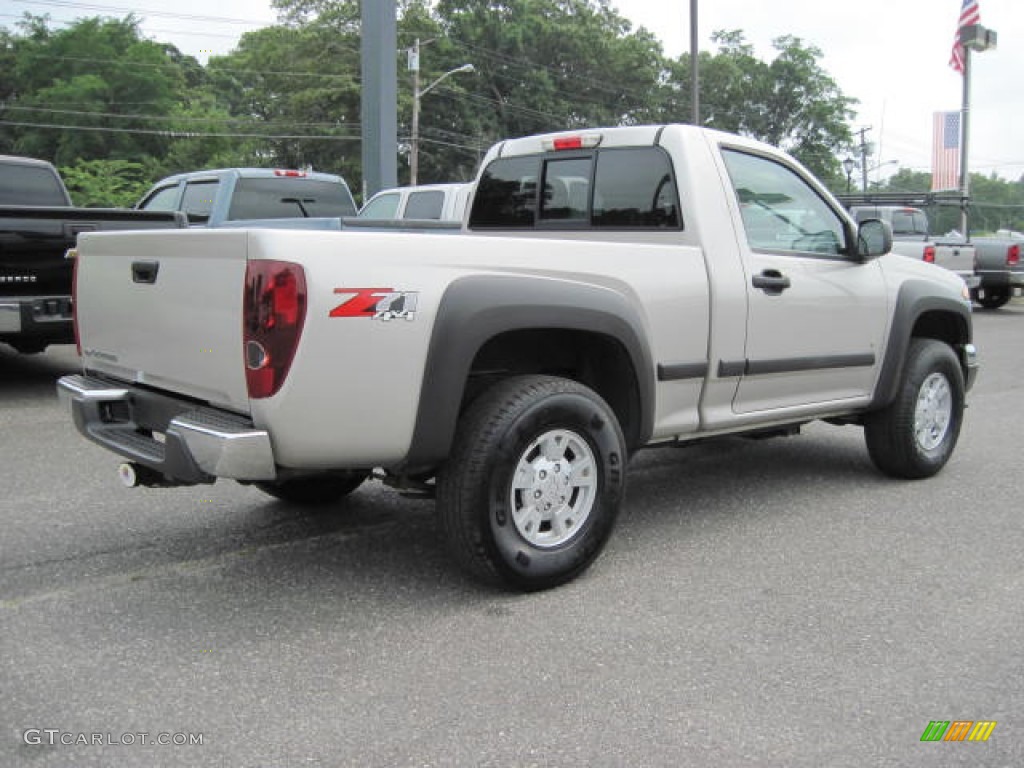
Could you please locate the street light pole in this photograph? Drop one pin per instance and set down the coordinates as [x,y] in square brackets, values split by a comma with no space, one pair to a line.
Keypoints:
[417,95]
[414,145]
[848,165]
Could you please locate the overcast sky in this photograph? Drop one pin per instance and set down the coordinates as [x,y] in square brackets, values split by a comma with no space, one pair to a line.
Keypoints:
[891,55]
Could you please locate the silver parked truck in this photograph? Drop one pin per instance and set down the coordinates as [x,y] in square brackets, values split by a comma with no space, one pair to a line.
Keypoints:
[611,289]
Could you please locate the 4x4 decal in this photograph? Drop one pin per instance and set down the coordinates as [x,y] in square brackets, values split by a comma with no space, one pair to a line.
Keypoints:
[377,304]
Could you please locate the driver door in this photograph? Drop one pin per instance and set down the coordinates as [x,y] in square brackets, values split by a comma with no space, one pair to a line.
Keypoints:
[816,316]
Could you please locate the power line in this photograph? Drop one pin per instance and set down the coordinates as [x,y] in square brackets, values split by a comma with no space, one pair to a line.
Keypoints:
[143,12]
[121,116]
[66,23]
[209,69]
[172,134]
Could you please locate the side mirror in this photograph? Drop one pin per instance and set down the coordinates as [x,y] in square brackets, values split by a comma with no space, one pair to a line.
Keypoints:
[874,238]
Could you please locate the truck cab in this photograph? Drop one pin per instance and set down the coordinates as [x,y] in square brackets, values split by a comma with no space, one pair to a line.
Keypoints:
[217,197]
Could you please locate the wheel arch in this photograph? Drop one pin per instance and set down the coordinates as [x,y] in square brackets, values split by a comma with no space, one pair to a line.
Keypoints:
[492,326]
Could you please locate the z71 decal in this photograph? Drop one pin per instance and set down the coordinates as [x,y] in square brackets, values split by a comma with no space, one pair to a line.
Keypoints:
[377,304]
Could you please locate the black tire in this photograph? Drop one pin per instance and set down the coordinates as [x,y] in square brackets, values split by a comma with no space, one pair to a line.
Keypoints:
[552,525]
[313,490]
[993,298]
[915,435]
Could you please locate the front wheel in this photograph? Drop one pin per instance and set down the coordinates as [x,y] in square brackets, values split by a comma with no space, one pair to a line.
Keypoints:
[533,485]
[313,490]
[915,435]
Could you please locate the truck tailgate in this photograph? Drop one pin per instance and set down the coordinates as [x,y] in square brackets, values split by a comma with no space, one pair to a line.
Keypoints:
[955,257]
[164,309]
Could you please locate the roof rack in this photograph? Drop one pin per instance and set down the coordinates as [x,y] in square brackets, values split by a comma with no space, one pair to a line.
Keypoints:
[915,199]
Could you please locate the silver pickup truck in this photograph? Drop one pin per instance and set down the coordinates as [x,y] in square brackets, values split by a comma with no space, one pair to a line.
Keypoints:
[999,268]
[911,238]
[612,289]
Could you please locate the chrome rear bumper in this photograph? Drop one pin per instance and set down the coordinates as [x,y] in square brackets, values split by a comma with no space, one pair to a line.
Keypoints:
[186,442]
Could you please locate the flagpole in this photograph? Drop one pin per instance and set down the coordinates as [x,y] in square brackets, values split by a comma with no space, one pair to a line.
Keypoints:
[965,133]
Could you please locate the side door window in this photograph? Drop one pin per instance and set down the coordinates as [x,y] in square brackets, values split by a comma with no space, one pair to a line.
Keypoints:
[197,202]
[163,199]
[781,212]
[381,207]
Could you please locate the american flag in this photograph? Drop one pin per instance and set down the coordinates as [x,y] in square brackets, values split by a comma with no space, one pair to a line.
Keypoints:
[969,14]
[946,151]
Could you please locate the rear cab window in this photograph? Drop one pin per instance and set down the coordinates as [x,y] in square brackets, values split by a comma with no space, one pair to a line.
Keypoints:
[909,222]
[25,184]
[424,205]
[631,188]
[289,198]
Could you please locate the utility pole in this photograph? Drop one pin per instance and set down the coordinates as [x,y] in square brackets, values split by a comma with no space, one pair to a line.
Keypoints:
[414,144]
[864,159]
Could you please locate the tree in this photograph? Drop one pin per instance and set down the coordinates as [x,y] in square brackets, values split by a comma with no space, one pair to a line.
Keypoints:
[106,183]
[106,105]
[296,88]
[789,102]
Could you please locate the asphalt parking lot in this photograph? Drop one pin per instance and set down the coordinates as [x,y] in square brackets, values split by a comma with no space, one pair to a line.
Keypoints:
[765,603]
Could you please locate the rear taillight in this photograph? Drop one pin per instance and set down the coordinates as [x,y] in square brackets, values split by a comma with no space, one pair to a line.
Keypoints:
[72,253]
[273,311]
[929,254]
[1013,255]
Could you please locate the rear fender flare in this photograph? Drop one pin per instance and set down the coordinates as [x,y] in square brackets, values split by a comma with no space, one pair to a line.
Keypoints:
[476,309]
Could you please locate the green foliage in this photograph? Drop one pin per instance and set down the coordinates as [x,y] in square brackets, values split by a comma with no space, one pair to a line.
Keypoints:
[97,91]
[289,94]
[287,82]
[995,203]
[106,183]
[789,102]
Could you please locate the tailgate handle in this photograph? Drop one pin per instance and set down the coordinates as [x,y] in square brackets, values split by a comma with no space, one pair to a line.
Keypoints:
[145,271]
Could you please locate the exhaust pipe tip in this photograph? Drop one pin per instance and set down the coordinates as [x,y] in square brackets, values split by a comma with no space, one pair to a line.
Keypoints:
[132,475]
[127,475]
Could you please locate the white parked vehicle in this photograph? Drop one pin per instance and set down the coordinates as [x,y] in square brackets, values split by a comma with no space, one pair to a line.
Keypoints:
[428,202]
[611,289]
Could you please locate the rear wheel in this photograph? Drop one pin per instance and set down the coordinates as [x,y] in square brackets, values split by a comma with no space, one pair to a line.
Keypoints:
[312,490]
[534,482]
[993,298]
[915,435]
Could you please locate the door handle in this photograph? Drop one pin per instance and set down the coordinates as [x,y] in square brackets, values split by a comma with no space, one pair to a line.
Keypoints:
[771,281]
